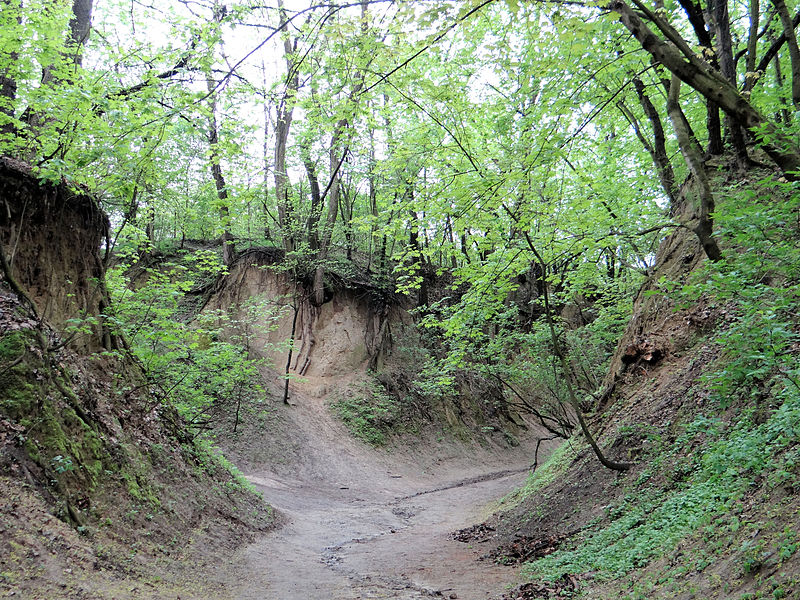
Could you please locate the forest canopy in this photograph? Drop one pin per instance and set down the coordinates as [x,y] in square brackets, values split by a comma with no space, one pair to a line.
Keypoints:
[349,125]
[495,140]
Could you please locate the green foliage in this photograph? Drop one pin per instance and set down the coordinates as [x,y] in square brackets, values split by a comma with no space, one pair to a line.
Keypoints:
[368,411]
[199,363]
[651,520]
[508,343]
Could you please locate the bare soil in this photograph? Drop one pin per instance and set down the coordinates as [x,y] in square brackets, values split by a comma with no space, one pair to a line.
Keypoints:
[359,522]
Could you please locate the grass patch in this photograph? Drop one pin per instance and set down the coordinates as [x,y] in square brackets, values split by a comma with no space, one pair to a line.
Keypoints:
[551,469]
[211,460]
[368,411]
[650,521]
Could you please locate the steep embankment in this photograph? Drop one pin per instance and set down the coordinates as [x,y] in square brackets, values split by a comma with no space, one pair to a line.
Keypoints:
[358,349]
[103,494]
[700,396]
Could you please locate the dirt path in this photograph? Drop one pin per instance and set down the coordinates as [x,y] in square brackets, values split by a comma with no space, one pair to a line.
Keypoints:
[347,544]
[361,524]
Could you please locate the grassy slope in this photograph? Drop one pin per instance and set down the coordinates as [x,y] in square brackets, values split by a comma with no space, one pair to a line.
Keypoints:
[713,424]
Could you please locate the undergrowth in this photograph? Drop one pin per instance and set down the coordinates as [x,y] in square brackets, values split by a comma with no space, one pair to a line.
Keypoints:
[203,364]
[367,410]
[747,441]
[733,459]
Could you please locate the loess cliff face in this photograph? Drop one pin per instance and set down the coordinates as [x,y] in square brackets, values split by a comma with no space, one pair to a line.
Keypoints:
[348,334]
[99,481]
[51,237]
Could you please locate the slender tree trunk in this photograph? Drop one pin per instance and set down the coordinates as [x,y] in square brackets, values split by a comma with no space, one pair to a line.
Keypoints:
[776,43]
[292,336]
[336,161]
[228,247]
[452,240]
[752,41]
[694,160]
[312,226]
[722,27]
[465,247]
[659,148]
[417,261]
[714,127]
[346,209]
[79,27]
[150,227]
[784,116]
[794,51]
[265,195]
[694,12]
[373,197]
[697,19]
[283,124]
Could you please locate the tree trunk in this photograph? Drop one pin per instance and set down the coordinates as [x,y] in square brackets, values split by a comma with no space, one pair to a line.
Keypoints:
[752,42]
[784,116]
[373,196]
[659,147]
[694,160]
[794,51]
[338,152]
[292,336]
[682,63]
[228,247]
[568,375]
[332,192]
[722,27]
[312,224]
[265,194]
[283,123]
[697,19]
[346,200]
[417,256]
[79,26]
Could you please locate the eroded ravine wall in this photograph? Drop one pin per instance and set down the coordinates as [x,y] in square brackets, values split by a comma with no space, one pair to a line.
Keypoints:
[51,236]
[349,333]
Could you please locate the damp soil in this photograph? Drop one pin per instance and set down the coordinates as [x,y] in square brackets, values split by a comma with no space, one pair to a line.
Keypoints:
[357,522]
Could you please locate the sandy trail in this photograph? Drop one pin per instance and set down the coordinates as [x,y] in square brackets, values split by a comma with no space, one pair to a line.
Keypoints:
[361,524]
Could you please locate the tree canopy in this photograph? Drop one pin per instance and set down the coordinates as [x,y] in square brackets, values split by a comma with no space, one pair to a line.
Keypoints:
[368,125]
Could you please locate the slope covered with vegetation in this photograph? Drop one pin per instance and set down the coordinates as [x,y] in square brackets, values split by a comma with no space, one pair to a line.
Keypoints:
[104,489]
[703,399]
